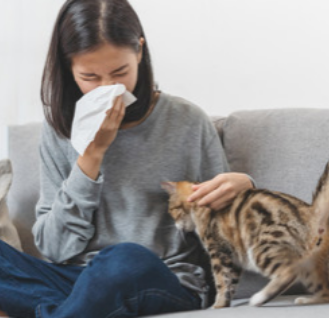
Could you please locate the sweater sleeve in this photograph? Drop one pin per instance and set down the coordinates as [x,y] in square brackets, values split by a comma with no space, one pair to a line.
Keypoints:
[213,158]
[68,200]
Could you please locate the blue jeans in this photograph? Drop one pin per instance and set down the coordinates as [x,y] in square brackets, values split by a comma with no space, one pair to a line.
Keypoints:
[124,280]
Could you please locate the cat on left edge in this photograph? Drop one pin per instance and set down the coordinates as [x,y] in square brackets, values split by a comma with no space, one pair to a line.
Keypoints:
[8,231]
[272,233]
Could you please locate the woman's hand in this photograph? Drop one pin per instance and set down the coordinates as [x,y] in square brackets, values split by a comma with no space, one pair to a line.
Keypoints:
[220,191]
[109,128]
[93,156]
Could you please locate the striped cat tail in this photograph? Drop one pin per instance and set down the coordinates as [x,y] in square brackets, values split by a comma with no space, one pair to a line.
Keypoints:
[321,202]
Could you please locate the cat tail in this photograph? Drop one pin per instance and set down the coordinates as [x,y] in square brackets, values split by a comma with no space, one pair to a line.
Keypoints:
[320,203]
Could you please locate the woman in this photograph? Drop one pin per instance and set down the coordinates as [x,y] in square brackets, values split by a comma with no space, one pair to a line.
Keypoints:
[102,217]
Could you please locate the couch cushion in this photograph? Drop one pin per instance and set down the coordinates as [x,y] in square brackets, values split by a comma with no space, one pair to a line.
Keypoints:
[24,155]
[283,150]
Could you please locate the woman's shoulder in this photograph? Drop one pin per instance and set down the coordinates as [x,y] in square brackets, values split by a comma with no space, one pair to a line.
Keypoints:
[50,138]
[181,108]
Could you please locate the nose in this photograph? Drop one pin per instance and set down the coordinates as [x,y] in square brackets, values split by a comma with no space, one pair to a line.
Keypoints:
[107,82]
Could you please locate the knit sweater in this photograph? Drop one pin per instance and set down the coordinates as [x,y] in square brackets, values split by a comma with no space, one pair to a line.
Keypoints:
[78,216]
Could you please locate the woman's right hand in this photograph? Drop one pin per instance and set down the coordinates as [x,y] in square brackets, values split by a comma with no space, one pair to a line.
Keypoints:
[109,128]
[93,156]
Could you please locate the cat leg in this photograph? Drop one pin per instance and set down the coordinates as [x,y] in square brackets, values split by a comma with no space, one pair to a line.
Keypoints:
[235,276]
[278,284]
[226,275]
[316,282]
[311,300]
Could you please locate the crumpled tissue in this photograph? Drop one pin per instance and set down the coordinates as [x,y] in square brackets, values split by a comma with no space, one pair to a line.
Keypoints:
[90,112]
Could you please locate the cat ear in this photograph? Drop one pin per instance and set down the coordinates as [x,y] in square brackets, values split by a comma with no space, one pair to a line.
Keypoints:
[170,187]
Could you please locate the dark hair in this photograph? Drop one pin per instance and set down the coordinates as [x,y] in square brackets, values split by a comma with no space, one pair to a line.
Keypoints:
[82,26]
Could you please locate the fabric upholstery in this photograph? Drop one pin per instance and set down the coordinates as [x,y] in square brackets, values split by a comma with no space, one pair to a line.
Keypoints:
[283,150]
[23,195]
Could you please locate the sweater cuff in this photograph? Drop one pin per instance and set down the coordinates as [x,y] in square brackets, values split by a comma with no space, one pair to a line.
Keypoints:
[252,181]
[79,182]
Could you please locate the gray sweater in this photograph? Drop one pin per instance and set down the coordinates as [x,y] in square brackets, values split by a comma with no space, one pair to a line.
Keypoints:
[77,216]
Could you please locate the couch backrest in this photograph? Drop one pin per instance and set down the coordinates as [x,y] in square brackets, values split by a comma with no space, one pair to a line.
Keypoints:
[283,150]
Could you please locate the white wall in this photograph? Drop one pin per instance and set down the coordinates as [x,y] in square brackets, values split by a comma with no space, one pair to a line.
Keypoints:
[224,55]
[228,55]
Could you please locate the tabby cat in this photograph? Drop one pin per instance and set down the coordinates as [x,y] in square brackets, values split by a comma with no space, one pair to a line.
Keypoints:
[274,234]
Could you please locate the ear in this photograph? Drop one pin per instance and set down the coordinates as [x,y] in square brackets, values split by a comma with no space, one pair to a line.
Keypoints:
[170,187]
[140,53]
[5,177]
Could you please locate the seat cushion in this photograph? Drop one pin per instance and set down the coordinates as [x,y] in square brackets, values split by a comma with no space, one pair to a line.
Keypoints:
[23,143]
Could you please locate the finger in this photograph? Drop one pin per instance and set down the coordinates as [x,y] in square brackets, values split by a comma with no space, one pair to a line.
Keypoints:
[201,191]
[211,197]
[195,187]
[198,185]
[115,114]
[218,197]
[120,111]
[116,105]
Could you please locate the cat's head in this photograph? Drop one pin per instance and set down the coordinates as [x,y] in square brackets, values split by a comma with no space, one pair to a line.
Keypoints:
[5,177]
[179,208]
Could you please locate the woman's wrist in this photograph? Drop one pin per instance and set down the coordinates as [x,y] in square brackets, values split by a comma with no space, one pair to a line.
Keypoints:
[91,162]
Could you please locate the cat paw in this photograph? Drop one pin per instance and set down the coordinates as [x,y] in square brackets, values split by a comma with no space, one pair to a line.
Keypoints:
[257,300]
[218,306]
[222,303]
[301,301]
[311,300]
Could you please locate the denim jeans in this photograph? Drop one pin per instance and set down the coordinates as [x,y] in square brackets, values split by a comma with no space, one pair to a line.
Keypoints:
[123,280]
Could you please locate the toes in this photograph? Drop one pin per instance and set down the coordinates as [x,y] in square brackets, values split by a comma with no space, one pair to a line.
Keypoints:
[301,301]
[258,299]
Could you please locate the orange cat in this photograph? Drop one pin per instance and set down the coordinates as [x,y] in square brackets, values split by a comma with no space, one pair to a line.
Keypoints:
[275,234]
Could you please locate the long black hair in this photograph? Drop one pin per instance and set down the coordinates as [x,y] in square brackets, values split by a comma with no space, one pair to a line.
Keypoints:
[82,26]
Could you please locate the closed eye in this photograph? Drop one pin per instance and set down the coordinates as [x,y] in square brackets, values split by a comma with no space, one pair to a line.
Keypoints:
[120,75]
[88,80]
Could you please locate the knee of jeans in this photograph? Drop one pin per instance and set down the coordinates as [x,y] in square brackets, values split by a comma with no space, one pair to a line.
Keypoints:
[128,262]
[128,252]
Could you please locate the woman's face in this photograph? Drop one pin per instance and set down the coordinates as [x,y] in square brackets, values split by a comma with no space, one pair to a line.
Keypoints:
[107,65]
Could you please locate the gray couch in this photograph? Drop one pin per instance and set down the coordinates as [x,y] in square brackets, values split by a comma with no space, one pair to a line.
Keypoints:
[283,150]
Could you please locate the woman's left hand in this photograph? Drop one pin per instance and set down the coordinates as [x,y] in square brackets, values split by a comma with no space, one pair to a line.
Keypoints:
[220,191]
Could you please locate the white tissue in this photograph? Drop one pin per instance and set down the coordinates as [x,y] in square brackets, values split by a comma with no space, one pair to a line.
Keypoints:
[90,112]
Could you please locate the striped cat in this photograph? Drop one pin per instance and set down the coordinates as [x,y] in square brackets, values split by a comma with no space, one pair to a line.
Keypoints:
[274,234]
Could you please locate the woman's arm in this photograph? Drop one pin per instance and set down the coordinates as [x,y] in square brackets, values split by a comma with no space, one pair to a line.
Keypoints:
[68,200]
[69,197]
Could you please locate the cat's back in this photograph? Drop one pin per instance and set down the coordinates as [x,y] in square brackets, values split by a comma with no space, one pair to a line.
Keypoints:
[259,219]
